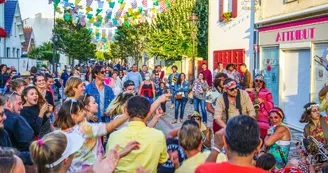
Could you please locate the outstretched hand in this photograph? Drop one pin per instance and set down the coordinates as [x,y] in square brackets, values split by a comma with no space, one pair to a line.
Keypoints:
[108,164]
[159,112]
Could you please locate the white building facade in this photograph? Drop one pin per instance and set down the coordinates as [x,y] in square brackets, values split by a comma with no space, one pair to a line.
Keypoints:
[231,33]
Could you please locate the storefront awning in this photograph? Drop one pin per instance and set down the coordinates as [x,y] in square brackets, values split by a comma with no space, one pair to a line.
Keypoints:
[3,33]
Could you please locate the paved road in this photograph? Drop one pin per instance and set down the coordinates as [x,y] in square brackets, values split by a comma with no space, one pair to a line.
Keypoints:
[165,125]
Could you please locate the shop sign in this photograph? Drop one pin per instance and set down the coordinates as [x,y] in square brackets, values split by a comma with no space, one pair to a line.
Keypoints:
[296,35]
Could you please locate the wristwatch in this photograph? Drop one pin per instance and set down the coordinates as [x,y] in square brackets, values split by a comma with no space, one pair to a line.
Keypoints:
[216,149]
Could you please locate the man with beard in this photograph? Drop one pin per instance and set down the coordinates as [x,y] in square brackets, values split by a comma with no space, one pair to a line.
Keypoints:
[232,103]
[212,95]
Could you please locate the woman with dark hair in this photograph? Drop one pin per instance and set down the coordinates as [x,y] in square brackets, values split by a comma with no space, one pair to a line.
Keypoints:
[36,111]
[41,83]
[4,76]
[181,89]
[199,89]
[316,127]
[263,103]
[277,142]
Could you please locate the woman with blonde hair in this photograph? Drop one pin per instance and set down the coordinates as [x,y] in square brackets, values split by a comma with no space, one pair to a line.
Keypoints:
[74,88]
[17,85]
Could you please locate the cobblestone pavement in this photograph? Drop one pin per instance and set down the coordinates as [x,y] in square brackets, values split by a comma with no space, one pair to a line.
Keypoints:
[165,124]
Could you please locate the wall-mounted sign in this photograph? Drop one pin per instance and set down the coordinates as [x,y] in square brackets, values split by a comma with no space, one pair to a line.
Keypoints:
[297,34]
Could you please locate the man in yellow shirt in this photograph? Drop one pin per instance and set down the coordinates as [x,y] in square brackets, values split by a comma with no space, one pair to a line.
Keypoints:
[152,145]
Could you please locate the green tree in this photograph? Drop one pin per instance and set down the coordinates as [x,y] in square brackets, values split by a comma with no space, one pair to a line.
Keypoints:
[129,41]
[43,52]
[74,40]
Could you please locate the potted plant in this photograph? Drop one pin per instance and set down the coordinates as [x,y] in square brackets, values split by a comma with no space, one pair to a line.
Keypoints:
[227,16]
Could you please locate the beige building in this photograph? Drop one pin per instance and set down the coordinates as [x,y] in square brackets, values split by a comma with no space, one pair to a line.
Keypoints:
[292,34]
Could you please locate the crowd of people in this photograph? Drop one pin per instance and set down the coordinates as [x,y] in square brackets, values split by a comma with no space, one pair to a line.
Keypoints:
[102,118]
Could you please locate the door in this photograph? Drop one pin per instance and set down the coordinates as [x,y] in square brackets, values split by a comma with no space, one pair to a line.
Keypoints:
[296,85]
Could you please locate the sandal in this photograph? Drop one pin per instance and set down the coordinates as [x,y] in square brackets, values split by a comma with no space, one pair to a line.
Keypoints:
[175,121]
[181,121]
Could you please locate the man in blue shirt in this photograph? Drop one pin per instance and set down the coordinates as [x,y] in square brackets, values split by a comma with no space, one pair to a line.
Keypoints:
[102,93]
[135,76]
[173,79]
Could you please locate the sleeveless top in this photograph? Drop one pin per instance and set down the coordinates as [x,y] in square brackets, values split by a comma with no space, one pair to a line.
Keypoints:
[279,149]
[147,90]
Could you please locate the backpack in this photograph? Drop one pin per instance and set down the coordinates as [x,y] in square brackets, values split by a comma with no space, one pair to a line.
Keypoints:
[226,103]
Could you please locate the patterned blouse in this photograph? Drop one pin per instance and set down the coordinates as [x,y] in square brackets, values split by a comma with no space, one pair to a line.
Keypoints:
[317,133]
[91,147]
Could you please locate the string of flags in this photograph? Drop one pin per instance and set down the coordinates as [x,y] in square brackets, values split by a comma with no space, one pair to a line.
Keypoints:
[102,17]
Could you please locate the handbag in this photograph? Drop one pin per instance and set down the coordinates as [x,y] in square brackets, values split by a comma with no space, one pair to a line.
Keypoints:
[178,96]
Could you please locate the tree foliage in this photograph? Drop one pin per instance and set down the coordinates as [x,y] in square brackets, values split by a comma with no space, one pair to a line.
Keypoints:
[168,35]
[74,40]
[43,52]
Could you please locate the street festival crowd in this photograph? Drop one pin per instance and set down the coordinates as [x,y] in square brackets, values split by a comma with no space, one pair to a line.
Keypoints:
[106,122]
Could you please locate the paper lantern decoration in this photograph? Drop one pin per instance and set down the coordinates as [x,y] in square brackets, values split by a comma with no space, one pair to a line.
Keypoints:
[3,33]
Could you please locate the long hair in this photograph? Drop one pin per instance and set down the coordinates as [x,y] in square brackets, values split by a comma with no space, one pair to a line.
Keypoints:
[179,79]
[64,118]
[50,150]
[41,99]
[118,105]
[306,116]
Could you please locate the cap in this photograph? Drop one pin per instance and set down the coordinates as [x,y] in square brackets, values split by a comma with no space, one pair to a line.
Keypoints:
[128,83]
[231,84]
[195,114]
[74,143]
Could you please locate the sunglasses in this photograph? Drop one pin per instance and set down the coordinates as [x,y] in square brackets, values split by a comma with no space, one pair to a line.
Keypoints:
[274,117]
[85,96]
[102,72]
[232,89]
[12,94]
[258,81]
[71,107]
[196,118]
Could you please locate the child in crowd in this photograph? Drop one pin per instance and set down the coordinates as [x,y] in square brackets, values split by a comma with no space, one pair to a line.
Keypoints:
[267,162]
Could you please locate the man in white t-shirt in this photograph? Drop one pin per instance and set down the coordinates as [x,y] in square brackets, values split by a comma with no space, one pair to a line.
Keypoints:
[212,95]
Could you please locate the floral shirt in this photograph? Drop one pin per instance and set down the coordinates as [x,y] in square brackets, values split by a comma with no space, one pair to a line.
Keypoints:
[91,147]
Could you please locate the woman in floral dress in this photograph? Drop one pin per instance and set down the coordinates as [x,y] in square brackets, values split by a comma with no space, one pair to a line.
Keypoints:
[317,127]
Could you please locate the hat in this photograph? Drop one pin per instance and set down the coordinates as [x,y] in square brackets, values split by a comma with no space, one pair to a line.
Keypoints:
[195,114]
[259,77]
[231,84]
[278,111]
[74,143]
[128,83]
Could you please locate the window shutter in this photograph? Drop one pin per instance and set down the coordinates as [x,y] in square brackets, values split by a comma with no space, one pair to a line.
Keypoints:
[221,10]
[234,11]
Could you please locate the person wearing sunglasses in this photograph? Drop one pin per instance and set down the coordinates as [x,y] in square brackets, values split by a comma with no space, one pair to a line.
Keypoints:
[101,92]
[278,140]
[206,131]
[231,103]
[317,127]
[263,102]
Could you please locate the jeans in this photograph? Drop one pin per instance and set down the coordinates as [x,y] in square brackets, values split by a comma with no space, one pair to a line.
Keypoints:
[163,106]
[202,106]
[172,93]
[151,101]
[182,102]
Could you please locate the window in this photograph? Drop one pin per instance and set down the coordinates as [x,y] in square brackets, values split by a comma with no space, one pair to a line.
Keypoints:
[15,30]
[8,51]
[226,6]
[14,52]
[17,55]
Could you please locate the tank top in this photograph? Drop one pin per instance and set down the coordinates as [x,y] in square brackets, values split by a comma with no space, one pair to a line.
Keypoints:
[147,90]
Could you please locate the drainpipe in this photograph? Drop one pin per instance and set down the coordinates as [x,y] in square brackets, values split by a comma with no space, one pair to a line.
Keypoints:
[252,35]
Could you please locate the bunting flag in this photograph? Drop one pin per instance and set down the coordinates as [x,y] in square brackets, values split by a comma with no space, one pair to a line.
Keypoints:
[145,3]
[134,4]
[111,5]
[89,2]
[163,5]
[155,2]
[77,2]
[56,2]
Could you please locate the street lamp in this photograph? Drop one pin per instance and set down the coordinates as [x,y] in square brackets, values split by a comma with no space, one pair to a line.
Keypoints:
[194,20]
[54,43]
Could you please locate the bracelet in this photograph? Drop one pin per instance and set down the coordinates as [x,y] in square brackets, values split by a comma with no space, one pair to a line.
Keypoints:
[216,149]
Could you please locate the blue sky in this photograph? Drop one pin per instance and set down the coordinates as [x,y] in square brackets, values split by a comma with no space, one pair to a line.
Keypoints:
[31,7]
